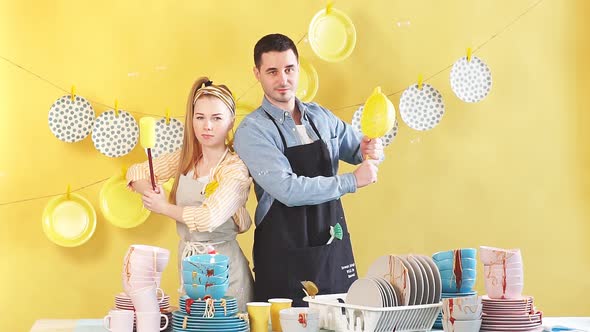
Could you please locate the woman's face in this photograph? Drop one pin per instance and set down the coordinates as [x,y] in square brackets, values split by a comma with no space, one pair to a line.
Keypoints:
[212,121]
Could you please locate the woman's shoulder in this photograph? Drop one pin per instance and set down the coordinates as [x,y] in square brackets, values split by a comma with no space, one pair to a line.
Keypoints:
[233,164]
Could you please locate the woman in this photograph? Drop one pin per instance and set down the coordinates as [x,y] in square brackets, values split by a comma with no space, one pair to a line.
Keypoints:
[211,185]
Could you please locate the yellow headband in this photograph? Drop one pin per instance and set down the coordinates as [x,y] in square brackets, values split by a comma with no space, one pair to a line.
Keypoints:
[218,92]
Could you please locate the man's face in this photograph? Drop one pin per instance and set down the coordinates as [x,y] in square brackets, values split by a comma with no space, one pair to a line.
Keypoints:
[279,75]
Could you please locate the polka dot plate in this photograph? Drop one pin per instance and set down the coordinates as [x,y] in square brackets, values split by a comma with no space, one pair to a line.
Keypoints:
[421,109]
[471,81]
[168,136]
[115,136]
[71,121]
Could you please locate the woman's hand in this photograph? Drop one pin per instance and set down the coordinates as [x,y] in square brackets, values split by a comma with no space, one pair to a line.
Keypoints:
[155,201]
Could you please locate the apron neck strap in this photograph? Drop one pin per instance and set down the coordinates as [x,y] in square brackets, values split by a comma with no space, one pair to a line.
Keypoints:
[281,134]
[214,169]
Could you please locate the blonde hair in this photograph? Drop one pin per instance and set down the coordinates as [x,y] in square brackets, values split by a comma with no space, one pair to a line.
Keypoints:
[191,148]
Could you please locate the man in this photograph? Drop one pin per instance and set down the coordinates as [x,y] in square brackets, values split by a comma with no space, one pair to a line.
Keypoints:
[292,151]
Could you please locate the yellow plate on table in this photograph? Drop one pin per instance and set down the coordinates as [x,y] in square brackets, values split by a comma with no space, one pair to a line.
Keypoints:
[332,35]
[308,81]
[121,206]
[69,222]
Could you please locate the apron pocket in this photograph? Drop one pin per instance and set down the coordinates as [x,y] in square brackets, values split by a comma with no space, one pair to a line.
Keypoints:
[328,266]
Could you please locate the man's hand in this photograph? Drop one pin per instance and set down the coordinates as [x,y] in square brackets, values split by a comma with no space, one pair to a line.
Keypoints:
[366,173]
[372,148]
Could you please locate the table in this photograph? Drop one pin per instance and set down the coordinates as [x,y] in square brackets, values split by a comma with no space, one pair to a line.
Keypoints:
[95,325]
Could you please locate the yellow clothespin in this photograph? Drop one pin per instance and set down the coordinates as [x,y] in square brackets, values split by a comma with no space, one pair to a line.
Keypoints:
[68,191]
[116,107]
[73,92]
[420,81]
[468,54]
[329,6]
[167,116]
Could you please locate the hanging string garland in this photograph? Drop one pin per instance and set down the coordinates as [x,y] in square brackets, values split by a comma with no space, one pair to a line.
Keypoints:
[71,120]
[484,90]
[421,108]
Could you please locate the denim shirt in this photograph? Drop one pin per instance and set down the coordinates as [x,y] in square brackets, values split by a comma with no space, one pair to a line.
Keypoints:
[259,145]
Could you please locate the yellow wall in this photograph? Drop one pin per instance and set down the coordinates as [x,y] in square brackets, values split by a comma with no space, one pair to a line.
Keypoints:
[512,171]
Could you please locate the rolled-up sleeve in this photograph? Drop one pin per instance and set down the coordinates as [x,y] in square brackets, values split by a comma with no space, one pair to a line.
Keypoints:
[165,167]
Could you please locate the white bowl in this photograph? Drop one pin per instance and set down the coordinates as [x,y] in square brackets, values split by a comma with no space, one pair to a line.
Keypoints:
[502,266]
[290,321]
[464,312]
[462,325]
[143,274]
[495,291]
[500,273]
[497,256]
[466,300]
[149,250]
[139,262]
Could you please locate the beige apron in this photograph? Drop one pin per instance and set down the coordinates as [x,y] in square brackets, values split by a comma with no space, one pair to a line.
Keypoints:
[223,239]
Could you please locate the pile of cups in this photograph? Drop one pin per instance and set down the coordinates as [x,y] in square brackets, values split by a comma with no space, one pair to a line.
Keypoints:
[458,275]
[128,320]
[142,271]
[143,266]
[124,302]
[205,275]
[282,316]
[462,314]
[503,272]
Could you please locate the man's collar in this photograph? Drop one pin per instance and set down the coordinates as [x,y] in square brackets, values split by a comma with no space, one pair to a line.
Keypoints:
[279,113]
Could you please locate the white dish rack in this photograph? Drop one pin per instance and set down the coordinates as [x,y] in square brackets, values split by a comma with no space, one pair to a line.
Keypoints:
[338,316]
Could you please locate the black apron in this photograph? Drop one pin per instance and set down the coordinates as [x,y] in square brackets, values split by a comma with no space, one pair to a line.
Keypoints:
[290,242]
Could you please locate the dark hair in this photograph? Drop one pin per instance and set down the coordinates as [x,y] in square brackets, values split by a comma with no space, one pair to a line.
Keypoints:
[275,42]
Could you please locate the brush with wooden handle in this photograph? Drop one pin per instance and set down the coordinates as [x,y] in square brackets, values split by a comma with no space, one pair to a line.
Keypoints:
[147,139]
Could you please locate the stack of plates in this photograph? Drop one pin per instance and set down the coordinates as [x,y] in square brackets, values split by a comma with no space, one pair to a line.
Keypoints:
[438,322]
[415,280]
[510,315]
[191,317]
[123,302]
[198,307]
[373,292]
[187,323]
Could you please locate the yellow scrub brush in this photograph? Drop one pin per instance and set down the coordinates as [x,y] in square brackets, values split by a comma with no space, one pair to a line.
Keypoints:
[310,288]
[147,138]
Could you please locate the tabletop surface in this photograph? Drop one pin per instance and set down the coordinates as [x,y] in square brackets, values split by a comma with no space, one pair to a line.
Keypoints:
[95,325]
